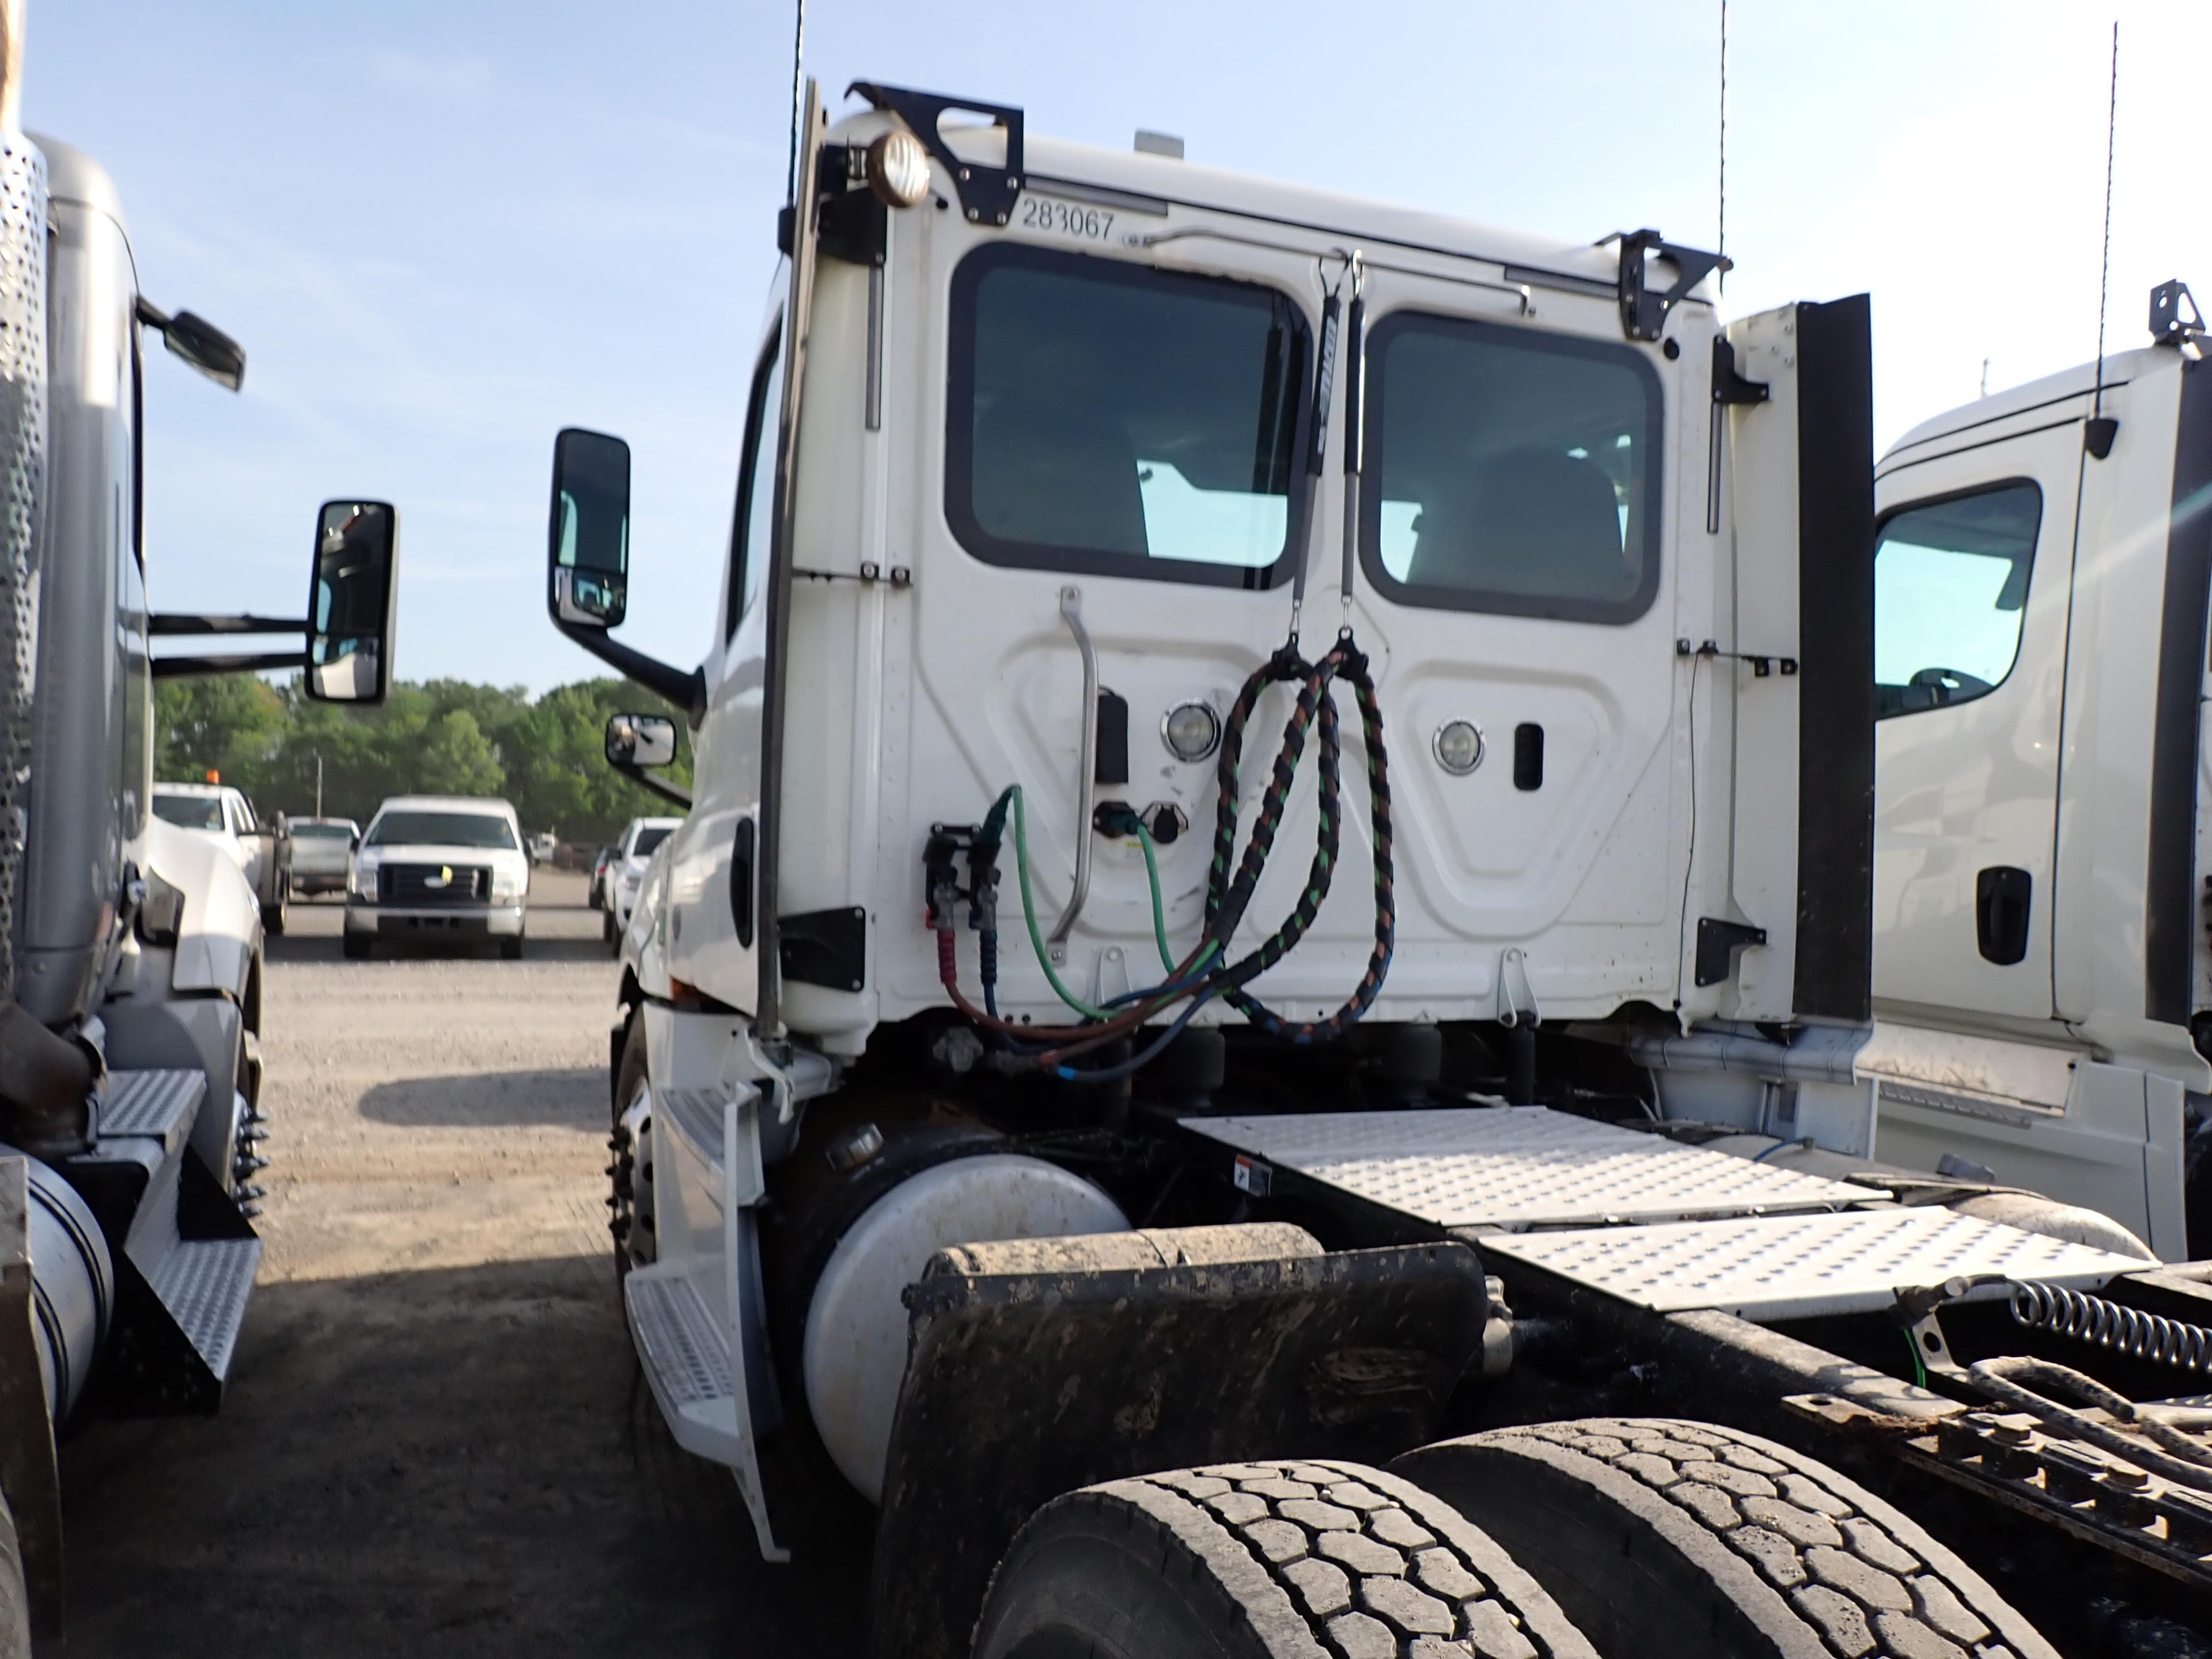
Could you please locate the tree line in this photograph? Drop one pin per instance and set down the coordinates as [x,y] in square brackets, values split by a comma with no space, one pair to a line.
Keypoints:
[546,755]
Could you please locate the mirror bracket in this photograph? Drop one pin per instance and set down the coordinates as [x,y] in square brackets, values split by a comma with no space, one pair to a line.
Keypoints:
[686,690]
[251,662]
[674,794]
[171,622]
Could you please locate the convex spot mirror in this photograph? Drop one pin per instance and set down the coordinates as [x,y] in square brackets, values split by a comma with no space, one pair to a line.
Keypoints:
[587,558]
[351,600]
[640,740]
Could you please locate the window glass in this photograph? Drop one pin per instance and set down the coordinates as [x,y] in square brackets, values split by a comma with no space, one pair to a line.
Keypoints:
[1510,471]
[483,829]
[190,812]
[1109,418]
[752,526]
[647,840]
[1950,592]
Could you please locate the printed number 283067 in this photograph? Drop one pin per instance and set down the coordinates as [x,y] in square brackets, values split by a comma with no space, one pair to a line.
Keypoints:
[1066,218]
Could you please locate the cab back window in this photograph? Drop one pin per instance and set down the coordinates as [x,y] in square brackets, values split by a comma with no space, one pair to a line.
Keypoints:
[1510,471]
[1109,418]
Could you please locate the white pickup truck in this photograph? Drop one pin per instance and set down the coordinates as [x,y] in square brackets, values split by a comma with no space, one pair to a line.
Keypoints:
[224,813]
[322,852]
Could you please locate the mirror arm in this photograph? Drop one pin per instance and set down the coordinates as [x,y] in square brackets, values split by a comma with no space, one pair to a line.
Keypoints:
[687,690]
[165,623]
[675,794]
[253,662]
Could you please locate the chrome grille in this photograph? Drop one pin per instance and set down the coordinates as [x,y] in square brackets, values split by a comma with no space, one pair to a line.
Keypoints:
[432,884]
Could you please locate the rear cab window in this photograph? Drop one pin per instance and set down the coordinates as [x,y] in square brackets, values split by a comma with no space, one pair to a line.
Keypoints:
[1110,419]
[1950,595]
[1510,471]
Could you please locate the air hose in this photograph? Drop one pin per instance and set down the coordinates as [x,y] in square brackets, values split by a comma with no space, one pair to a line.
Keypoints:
[1197,977]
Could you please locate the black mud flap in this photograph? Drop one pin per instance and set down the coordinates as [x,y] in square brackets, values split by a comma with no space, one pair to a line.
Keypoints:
[1022,1386]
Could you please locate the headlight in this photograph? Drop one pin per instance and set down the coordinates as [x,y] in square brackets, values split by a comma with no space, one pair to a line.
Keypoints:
[506,886]
[362,883]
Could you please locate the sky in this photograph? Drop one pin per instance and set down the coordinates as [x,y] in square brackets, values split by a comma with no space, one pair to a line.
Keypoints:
[445,229]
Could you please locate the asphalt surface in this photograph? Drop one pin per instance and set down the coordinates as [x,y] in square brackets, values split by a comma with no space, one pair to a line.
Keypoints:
[436,1440]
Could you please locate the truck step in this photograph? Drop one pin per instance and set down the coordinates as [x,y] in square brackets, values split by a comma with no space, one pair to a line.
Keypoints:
[204,1283]
[1763,1269]
[159,1104]
[687,1357]
[1510,1168]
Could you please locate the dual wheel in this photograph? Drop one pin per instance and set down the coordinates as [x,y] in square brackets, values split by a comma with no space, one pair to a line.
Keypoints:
[1628,1539]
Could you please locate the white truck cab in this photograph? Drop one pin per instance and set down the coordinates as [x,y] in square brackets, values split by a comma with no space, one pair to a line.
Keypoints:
[439,869]
[2043,974]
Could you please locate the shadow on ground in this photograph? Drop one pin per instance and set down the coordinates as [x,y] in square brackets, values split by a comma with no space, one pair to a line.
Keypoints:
[298,947]
[463,1462]
[573,1099]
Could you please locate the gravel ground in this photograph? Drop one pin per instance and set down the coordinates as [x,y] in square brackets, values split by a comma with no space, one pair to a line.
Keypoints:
[436,1440]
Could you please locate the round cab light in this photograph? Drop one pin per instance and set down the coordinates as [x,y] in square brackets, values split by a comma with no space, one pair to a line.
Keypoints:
[898,169]
[1459,747]
[1192,730]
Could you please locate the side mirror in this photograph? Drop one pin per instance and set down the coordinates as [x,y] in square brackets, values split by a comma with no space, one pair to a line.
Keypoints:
[351,602]
[640,740]
[200,343]
[637,741]
[588,553]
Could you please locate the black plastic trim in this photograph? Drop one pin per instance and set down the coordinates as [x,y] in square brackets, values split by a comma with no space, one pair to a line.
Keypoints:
[1835,643]
[1648,516]
[2169,883]
[960,422]
[825,947]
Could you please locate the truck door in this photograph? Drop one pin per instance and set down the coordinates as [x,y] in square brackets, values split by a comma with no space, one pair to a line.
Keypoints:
[1972,582]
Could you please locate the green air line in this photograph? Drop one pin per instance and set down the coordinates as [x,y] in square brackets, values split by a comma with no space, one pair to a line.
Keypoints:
[1029,913]
[1159,911]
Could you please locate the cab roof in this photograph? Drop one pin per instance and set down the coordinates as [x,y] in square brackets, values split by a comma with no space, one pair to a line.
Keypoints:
[488,805]
[2079,382]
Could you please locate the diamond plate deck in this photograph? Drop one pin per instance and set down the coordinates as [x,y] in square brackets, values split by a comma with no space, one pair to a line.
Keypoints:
[1797,1266]
[204,1283]
[1521,1166]
[678,1338]
[150,1102]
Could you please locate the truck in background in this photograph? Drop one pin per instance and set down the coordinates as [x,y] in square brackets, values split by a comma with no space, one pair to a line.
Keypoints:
[130,961]
[262,851]
[2043,851]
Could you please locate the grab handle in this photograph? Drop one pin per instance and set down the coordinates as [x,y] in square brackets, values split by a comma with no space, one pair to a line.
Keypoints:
[1086,774]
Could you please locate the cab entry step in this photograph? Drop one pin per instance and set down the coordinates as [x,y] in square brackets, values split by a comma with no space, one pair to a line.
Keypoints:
[1516,1167]
[1770,1267]
[204,1283]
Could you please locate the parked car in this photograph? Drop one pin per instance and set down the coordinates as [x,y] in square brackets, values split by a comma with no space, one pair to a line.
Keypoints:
[544,847]
[603,863]
[439,867]
[218,811]
[626,870]
[322,852]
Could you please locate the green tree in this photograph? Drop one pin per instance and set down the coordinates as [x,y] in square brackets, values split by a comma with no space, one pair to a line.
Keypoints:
[232,725]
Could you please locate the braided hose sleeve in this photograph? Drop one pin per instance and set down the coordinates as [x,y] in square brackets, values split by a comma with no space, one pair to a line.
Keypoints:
[22,492]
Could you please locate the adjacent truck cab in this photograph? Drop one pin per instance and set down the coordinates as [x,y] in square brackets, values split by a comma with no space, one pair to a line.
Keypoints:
[2042,972]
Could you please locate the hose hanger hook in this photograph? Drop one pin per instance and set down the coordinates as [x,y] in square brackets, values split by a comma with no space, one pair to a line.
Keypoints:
[1324,385]
[1355,352]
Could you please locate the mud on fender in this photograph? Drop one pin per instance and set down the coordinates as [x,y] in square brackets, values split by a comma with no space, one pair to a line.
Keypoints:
[1038,1366]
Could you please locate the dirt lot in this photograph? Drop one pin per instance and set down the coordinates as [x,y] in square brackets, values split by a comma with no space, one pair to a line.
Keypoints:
[436,1440]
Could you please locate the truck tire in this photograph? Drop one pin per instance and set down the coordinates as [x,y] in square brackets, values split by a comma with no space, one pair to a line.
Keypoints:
[607,933]
[14,1598]
[1271,1560]
[358,946]
[510,950]
[274,913]
[631,1218]
[1693,1540]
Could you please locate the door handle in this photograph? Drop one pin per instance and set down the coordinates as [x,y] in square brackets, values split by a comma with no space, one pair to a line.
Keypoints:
[741,882]
[2004,897]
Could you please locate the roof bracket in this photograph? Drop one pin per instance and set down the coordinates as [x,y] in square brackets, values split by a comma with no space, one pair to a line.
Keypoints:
[2175,319]
[986,193]
[1644,309]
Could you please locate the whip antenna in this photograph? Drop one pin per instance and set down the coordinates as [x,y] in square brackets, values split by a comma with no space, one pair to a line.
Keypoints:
[1720,236]
[2097,437]
[798,52]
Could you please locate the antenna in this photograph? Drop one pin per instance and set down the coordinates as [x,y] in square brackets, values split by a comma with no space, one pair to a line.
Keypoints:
[1720,236]
[2097,437]
[798,52]
[1986,377]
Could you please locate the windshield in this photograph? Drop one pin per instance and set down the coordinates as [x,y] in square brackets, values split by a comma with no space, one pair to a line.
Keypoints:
[323,831]
[1115,419]
[485,830]
[190,812]
[1515,471]
[647,841]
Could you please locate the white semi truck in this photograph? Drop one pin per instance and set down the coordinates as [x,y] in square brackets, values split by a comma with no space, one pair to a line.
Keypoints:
[1405,689]
[131,958]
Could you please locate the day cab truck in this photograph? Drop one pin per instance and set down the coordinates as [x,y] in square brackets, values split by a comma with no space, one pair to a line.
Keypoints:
[2043,941]
[131,951]
[1283,815]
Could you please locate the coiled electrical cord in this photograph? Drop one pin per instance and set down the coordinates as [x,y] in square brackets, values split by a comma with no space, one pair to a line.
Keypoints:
[2112,1326]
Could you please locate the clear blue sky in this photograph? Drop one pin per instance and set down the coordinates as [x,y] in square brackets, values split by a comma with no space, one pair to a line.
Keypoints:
[444,230]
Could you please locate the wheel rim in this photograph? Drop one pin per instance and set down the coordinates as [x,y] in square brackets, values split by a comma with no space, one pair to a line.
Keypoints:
[631,1218]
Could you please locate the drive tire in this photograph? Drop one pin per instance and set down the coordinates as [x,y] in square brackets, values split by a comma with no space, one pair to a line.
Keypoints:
[15,1596]
[1671,1539]
[358,946]
[1266,1560]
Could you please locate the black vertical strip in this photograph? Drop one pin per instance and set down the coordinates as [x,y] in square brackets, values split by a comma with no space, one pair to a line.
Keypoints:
[1835,644]
[2169,887]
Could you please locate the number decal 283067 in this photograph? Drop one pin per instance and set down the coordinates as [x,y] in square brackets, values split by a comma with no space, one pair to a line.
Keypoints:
[1087,224]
